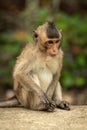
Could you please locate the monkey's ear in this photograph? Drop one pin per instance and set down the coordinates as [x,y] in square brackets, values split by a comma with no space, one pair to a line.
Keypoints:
[35,35]
[60,30]
[60,33]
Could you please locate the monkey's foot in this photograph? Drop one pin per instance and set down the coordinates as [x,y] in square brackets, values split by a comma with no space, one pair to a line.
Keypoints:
[64,105]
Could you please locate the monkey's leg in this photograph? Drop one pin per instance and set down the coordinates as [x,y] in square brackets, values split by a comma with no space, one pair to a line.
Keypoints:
[35,102]
[57,97]
[31,95]
[32,100]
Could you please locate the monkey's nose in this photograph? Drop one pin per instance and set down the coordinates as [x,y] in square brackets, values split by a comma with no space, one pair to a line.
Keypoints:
[54,52]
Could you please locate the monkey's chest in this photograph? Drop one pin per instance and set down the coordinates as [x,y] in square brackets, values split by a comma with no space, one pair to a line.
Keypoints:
[45,77]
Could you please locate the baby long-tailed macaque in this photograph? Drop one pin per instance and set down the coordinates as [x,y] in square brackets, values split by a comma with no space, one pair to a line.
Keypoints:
[37,72]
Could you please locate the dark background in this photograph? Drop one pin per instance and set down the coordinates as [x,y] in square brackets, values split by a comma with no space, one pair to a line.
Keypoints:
[17,21]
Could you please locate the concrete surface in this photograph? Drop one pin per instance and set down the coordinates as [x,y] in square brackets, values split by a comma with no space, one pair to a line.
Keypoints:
[24,119]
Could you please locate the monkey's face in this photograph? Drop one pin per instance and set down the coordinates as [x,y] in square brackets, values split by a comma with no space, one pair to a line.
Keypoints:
[48,38]
[52,46]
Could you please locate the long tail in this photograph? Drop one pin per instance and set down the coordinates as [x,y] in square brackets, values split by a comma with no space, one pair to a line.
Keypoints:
[13,102]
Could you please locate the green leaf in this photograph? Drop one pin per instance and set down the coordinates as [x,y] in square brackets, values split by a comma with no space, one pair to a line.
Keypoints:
[81,60]
[67,79]
[79,81]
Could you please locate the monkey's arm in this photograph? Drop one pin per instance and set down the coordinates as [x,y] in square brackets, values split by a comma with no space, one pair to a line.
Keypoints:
[28,83]
[56,76]
[52,86]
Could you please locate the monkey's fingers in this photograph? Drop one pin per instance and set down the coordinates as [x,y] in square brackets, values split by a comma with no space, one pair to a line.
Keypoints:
[49,103]
[64,105]
[46,100]
[51,106]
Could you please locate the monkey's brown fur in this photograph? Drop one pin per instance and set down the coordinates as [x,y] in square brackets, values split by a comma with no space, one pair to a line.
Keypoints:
[37,71]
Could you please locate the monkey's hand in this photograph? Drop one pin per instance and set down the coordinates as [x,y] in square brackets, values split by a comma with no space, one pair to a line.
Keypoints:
[64,105]
[49,104]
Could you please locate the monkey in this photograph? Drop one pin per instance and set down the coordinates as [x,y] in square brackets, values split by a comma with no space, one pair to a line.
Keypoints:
[37,72]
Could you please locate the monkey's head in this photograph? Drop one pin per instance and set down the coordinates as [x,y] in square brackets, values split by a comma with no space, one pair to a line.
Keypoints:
[48,38]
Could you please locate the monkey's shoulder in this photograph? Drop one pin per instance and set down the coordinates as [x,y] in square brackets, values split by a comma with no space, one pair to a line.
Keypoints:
[27,53]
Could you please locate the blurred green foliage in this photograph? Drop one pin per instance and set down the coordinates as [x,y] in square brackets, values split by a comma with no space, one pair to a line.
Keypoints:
[74,30]
[10,48]
[75,47]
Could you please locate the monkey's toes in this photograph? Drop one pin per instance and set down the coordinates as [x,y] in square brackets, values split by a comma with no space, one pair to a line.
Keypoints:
[64,105]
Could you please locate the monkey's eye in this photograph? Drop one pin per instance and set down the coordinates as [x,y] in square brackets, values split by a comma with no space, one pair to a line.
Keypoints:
[50,42]
[57,41]
[35,35]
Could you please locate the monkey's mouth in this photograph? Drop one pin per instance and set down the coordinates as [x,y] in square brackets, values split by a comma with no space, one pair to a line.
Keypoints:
[53,55]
